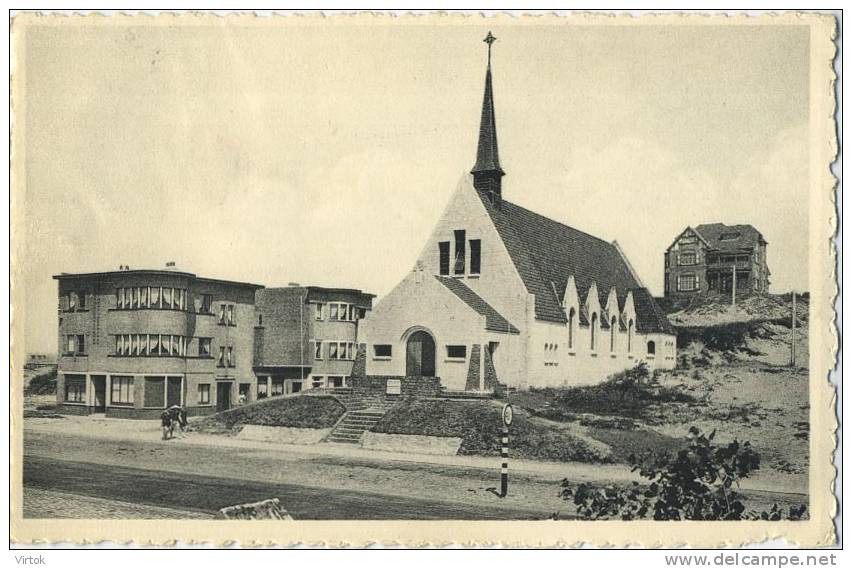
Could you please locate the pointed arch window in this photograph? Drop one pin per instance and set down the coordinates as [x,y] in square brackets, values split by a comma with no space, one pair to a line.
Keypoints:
[612,325]
[630,336]
[593,328]
[571,316]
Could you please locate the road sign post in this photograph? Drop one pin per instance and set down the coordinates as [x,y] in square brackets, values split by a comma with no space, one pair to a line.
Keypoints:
[504,453]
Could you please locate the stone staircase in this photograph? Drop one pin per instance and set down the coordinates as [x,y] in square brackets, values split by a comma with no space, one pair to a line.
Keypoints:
[363,412]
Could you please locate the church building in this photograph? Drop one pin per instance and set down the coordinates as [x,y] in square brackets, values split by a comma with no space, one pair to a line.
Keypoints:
[502,294]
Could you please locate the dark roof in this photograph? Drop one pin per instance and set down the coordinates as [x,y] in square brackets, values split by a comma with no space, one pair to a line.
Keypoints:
[545,252]
[738,237]
[494,321]
[159,272]
[649,316]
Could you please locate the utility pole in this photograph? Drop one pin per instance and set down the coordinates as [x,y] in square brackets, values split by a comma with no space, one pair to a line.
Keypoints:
[793,334]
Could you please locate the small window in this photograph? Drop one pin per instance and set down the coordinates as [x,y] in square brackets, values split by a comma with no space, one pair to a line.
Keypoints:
[333,315]
[332,350]
[457,352]
[444,257]
[204,347]
[729,236]
[687,259]
[204,394]
[317,349]
[81,344]
[222,314]
[221,361]
[475,256]
[206,304]
[262,388]
[232,321]
[652,348]
[382,350]
[318,311]
[81,300]
[231,361]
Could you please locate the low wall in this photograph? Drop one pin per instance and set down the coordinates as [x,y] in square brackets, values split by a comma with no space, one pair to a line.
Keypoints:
[409,385]
[418,444]
[283,435]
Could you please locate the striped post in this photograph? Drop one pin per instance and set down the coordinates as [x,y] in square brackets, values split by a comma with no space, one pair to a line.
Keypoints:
[504,470]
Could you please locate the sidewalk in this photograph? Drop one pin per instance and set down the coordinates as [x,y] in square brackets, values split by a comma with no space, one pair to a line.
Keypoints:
[540,471]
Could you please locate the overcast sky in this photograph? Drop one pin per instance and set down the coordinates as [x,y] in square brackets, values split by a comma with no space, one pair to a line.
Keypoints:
[324,154]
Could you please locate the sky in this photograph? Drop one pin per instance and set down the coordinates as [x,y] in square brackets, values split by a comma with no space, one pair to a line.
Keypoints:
[324,154]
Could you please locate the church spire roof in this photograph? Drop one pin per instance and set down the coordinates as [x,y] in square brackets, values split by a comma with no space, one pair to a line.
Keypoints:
[487,156]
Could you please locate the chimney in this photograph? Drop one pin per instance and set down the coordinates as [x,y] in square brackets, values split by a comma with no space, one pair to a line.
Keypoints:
[293,284]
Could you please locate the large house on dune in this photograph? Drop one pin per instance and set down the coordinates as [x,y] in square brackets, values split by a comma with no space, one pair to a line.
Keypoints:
[502,294]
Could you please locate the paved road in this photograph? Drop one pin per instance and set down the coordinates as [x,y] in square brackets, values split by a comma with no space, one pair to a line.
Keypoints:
[206,494]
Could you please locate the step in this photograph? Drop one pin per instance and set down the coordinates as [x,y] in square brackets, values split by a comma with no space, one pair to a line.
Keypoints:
[343,439]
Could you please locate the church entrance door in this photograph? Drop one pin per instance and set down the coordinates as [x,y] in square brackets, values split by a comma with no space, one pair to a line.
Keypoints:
[420,355]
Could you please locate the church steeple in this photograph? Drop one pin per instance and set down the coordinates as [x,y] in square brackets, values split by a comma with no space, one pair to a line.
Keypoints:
[487,173]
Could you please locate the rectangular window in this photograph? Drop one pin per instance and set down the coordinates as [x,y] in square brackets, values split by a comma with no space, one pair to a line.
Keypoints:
[71,345]
[119,345]
[686,259]
[262,388]
[122,390]
[204,347]
[457,352]
[143,297]
[206,304]
[232,321]
[351,350]
[382,350]
[318,310]
[176,341]
[81,300]
[333,315]
[317,381]
[317,349]
[75,388]
[204,394]
[230,357]
[166,301]
[72,301]
[154,296]
[332,350]
[475,256]
[687,282]
[143,344]
[119,298]
[222,314]
[277,387]
[165,344]
[444,257]
[155,391]
[460,251]
[221,362]
[154,344]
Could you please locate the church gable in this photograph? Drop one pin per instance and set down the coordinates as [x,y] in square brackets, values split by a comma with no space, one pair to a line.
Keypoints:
[465,245]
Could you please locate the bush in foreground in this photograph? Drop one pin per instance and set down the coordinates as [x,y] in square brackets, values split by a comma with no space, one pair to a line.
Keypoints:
[697,483]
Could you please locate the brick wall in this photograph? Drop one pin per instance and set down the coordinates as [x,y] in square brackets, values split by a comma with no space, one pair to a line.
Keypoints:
[472,383]
[411,386]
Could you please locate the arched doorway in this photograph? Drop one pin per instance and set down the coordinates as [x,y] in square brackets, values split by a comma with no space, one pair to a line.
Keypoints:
[420,355]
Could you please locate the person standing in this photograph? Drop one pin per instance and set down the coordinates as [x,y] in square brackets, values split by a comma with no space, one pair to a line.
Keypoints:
[183,419]
[166,423]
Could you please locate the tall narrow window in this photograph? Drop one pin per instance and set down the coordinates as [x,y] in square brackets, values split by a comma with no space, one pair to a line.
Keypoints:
[221,362]
[630,336]
[571,316]
[652,348]
[612,325]
[81,344]
[475,256]
[460,251]
[318,307]
[593,328]
[317,349]
[444,257]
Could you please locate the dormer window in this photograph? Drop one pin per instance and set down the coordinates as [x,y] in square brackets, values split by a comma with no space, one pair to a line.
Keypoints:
[729,236]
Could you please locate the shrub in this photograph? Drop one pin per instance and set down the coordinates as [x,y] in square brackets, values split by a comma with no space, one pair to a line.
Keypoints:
[307,411]
[42,384]
[696,483]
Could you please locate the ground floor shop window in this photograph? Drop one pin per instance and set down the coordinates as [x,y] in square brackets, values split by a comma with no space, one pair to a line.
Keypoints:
[262,388]
[75,388]
[336,381]
[204,394]
[122,390]
[155,391]
[296,387]
[278,387]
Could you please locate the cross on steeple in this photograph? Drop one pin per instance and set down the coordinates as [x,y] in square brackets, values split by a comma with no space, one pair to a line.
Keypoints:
[486,172]
[489,39]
